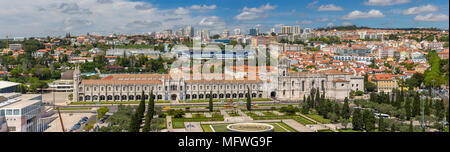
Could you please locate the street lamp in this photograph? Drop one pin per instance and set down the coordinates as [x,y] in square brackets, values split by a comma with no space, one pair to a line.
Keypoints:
[423,112]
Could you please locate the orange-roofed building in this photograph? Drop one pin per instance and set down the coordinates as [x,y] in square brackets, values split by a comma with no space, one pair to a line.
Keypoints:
[384,82]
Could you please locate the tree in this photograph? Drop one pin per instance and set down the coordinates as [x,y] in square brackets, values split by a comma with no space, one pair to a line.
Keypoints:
[393,127]
[132,126]
[102,111]
[337,109]
[136,119]
[249,100]
[408,108]
[369,86]
[439,109]
[210,102]
[369,120]
[447,114]
[411,127]
[357,120]
[344,122]
[416,105]
[346,109]
[150,113]
[427,107]
[381,125]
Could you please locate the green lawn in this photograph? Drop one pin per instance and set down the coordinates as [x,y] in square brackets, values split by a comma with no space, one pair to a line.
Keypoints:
[198,115]
[223,127]
[178,124]
[303,120]
[318,118]
[206,128]
[446,129]
[325,130]
[269,113]
[287,127]
[251,114]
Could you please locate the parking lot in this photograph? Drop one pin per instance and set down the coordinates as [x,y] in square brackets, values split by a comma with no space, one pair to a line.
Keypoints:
[69,119]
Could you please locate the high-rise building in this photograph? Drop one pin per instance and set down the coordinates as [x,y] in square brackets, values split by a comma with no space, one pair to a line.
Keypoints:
[253,32]
[237,31]
[286,30]
[226,33]
[296,30]
[272,30]
[204,34]
[167,32]
[307,31]
[189,31]
[180,32]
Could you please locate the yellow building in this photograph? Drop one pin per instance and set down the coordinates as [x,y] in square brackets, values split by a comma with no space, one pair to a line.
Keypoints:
[384,82]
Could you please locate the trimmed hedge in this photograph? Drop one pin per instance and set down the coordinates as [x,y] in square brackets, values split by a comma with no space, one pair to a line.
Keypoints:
[115,102]
[225,100]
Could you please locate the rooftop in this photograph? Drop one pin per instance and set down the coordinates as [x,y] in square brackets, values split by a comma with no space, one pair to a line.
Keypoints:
[7,84]
[20,101]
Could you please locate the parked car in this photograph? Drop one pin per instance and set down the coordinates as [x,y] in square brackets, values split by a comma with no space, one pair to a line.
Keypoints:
[75,127]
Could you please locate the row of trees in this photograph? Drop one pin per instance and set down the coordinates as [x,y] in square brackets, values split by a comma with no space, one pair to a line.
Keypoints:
[138,115]
[325,107]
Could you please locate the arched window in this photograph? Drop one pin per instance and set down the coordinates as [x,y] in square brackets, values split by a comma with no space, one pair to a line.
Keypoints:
[303,85]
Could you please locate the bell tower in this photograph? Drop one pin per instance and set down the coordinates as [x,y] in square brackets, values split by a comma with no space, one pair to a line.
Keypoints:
[76,83]
[283,67]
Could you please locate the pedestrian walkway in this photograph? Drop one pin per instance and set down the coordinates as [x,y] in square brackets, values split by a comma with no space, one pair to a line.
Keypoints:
[259,113]
[297,126]
[224,113]
[169,123]
[193,127]
[278,113]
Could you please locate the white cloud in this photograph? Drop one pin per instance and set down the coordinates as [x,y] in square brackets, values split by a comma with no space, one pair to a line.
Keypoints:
[260,9]
[330,24]
[432,17]
[203,7]
[312,4]
[421,9]
[181,11]
[304,22]
[208,21]
[385,2]
[20,18]
[254,13]
[329,7]
[358,14]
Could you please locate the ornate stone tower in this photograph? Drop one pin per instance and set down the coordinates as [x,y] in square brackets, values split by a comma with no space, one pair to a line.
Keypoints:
[283,67]
[76,83]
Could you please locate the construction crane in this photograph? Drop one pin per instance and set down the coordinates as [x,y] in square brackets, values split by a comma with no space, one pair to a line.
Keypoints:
[60,119]
[7,46]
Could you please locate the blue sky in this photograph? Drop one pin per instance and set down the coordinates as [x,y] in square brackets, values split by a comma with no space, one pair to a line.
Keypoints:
[56,17]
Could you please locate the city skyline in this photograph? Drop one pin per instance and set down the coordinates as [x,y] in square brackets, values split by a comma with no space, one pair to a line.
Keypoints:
[136,17]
